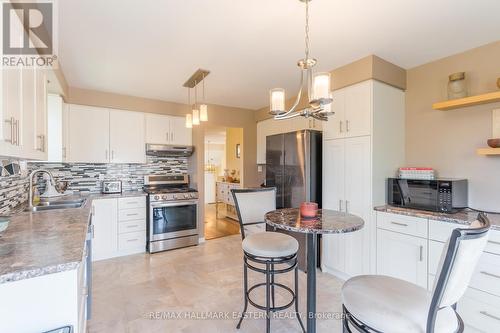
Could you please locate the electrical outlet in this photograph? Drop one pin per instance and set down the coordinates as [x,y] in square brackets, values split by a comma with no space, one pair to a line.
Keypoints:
[496,124]
[259,168]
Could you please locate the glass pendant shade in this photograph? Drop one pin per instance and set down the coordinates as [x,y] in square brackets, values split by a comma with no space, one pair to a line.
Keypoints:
[277,100]
[203,112]
[321,86]
[196,117]
[189,121]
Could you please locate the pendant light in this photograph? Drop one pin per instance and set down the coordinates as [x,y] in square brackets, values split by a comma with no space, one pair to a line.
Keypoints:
[318,88]
[197,113]
[203,106]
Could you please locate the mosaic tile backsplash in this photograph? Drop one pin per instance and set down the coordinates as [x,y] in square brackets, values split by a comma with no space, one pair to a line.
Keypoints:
[87,177]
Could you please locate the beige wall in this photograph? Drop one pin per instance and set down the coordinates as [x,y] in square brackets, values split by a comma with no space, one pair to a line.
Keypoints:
[219,116]
[447,140]
[370,67]
[234,136]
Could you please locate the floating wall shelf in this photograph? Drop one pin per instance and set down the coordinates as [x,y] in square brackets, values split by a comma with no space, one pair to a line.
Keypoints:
[488,151]
[467,101]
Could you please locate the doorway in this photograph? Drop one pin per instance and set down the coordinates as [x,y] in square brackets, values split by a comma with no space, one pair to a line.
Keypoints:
[223,167]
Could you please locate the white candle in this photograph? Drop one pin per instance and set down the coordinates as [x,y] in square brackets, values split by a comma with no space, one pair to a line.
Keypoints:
[203,112]
[321,85]
[189,121]
[277,103]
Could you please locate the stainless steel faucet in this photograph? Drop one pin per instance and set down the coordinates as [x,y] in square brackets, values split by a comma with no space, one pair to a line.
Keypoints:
[32,175]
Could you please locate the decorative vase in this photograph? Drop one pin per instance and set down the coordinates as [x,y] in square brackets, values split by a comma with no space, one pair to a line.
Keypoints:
[457,86]
[309,209]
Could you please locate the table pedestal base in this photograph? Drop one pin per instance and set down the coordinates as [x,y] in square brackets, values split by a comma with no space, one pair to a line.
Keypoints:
[311,282]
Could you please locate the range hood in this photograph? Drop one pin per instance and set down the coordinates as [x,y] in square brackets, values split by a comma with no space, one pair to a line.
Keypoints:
[168,150]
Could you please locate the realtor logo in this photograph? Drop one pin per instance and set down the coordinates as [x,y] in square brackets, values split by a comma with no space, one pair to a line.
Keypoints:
[27,28]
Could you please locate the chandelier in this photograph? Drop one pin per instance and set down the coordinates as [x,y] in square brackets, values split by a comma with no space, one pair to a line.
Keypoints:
[197,112]
[318,88]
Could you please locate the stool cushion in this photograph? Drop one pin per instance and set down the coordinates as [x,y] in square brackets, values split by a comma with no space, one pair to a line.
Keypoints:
[270,245]
[388,304]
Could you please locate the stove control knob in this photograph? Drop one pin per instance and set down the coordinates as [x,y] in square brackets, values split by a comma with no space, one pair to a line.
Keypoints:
[187,196]
[164,197]
[156,197]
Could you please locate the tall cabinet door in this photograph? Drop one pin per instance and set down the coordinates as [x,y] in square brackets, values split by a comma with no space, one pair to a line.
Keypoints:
[157,128]
[333,247]
[335,128]
[358,109]
[358,198]
[88,134]
[180,135]
[105,222]
[126,137]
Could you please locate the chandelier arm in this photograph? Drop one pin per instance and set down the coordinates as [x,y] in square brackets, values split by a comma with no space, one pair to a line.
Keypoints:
[288,116]
[297,100]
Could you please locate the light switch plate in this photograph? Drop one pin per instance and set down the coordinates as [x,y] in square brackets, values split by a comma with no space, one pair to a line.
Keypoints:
[496,124]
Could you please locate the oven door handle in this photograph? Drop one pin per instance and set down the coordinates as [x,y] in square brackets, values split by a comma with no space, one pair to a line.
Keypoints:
[175,204]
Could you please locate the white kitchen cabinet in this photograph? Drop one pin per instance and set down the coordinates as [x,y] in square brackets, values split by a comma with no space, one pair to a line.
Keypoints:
[105,221]
[180,134]
[88,134]
[40,116]
[119,227]
[12,113]
[402,256]
[348,179]
[353,111]
[163,129]
[361,149]
[126,137]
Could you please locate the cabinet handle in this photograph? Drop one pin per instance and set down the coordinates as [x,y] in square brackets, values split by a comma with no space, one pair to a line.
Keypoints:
[131,203]
[112,155]
[16,129]
[42,143]
[132,214]
[347,206]
[421,253]
[341,128]
[347,125]
[64,152]
[401,224]
[340,205]
[172,136]
[484,313]
[493,242]
[106,155]
[490,274]
[132,240]
[132,226]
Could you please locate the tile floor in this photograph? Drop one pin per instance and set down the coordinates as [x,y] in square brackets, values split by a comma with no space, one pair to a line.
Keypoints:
[137,293]
[218,227]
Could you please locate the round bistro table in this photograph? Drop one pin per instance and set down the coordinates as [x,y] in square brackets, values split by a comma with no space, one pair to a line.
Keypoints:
[327,222]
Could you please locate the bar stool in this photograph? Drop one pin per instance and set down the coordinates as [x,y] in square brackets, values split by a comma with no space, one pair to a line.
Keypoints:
[275,251]
[375,303]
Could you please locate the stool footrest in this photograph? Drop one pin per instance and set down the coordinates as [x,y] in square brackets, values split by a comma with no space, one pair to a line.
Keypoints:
[272,309]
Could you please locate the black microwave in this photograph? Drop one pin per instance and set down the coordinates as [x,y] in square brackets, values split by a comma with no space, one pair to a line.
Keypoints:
[438,195]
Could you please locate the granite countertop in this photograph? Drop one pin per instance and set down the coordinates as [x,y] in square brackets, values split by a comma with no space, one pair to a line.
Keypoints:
[327,221]
[465,216]
[45,242]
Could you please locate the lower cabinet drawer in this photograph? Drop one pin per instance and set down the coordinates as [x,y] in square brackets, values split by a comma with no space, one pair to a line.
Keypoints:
[480,311]
[409,225]
[132,202]
[131,214]
[487,274]
[493,245]
[131,226]
[131,240]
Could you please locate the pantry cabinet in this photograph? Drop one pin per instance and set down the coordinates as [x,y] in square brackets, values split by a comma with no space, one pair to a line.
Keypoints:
[271,127]
[162,129]
[100,135]
[354,171]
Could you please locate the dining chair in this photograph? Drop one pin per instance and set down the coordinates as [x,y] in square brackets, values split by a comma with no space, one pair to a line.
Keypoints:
[270,253]
[376,303]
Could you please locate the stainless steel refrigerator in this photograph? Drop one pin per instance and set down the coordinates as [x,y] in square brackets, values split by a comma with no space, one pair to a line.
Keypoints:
[293,166]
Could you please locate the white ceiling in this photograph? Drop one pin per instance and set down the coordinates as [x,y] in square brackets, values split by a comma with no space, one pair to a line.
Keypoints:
[149,48]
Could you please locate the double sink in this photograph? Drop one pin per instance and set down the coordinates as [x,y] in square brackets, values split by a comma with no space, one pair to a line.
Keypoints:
[57,204]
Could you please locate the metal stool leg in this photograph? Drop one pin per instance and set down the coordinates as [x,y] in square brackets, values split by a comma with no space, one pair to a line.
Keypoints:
[297,299]
[245,293]
[272,284]
[268,303]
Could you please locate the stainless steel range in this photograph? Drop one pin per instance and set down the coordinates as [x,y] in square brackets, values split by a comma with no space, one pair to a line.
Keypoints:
[172,212]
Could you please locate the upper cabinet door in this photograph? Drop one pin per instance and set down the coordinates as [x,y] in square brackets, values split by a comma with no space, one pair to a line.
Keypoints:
[358,109]
[335,127]
[41,118]
[180,135]
[88,134]
[12,112]
[126,129]
[157,128]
